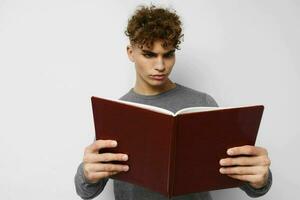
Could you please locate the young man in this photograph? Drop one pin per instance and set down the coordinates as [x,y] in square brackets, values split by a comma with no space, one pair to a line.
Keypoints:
[154,35]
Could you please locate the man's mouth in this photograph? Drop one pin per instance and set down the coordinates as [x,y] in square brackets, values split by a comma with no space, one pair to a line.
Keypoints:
[158,77]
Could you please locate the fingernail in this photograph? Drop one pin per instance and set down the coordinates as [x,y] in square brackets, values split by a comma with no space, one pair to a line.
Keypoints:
[229,151]
[114,143]
[125,157]
[222,162]
[221,170]
[126,168]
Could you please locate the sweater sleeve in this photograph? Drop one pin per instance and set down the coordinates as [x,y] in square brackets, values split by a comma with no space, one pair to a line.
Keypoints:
[211,102]
[87,190]
[253,192]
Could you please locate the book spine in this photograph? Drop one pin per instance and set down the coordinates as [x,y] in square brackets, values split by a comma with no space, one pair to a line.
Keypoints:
[172,156]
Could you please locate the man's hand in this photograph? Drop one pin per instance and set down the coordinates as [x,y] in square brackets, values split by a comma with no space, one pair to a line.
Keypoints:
[249,164]
[94,169]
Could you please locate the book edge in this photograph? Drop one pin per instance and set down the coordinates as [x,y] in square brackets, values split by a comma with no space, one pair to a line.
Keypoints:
[208,109]
[139,105]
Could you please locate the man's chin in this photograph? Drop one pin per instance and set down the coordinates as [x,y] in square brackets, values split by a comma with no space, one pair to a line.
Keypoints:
[155,83]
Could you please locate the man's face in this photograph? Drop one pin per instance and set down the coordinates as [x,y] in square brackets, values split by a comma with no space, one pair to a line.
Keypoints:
[152,62]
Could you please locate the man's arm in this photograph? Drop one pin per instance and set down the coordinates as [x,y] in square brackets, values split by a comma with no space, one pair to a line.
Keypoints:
[87,190]
[93,173]
[253,192]
[250,164]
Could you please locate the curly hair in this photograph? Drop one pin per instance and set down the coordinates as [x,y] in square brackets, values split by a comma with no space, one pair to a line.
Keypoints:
[149,24]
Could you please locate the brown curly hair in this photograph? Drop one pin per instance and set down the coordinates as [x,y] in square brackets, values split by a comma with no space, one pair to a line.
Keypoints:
[150,23]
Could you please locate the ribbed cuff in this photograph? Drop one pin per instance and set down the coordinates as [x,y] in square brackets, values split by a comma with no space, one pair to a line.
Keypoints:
[85,189]
[254,192]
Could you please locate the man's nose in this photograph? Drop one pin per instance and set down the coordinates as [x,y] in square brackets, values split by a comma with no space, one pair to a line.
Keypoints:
[160,64]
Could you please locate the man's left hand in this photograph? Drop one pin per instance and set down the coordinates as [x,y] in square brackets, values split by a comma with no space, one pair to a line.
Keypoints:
[250,164]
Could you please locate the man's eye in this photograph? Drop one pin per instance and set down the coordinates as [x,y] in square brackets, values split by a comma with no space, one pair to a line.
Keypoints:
[169,55]
[148,55]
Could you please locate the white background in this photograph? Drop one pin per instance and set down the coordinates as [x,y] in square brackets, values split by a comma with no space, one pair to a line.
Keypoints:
[54,55]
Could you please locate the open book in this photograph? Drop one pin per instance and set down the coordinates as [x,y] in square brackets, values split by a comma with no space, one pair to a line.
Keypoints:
[175,153]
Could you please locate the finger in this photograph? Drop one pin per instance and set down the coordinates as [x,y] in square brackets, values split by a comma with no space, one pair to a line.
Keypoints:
[247,150]
[106,167]
[96,176]
[253,170]
[106,174]
[104,157]
[247,178]
[100,144]
[107,157]
[253,160]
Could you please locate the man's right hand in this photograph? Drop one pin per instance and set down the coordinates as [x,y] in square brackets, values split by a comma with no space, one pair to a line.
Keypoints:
[93,168]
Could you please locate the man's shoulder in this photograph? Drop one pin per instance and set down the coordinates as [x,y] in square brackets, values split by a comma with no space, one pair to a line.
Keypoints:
[127,95]
[192,91]
[197,94]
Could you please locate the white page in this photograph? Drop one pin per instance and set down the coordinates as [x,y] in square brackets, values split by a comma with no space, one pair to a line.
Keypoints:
[202,109]
[179,112]
[148,107]
[196,109]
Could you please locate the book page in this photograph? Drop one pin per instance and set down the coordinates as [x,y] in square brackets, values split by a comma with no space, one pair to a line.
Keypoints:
[179,112]
[148,107]
[196,109]
[203,109]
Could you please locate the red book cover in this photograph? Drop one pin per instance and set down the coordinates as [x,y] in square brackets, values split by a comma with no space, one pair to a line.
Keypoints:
[175,153]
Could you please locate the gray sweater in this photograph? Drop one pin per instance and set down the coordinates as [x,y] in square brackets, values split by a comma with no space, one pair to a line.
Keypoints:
[173,100]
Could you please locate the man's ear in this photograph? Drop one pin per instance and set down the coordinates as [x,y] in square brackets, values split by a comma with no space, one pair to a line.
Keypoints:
[130,53]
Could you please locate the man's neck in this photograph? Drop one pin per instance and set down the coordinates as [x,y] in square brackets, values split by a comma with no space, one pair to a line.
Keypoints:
[140,89]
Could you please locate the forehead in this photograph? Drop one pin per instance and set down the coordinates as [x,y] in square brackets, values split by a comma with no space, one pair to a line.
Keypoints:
[157,47]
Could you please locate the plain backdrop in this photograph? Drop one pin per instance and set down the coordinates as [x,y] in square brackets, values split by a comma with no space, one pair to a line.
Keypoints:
[56,54]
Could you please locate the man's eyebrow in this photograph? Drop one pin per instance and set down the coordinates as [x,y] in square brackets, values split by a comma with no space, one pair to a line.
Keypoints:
[150,52]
